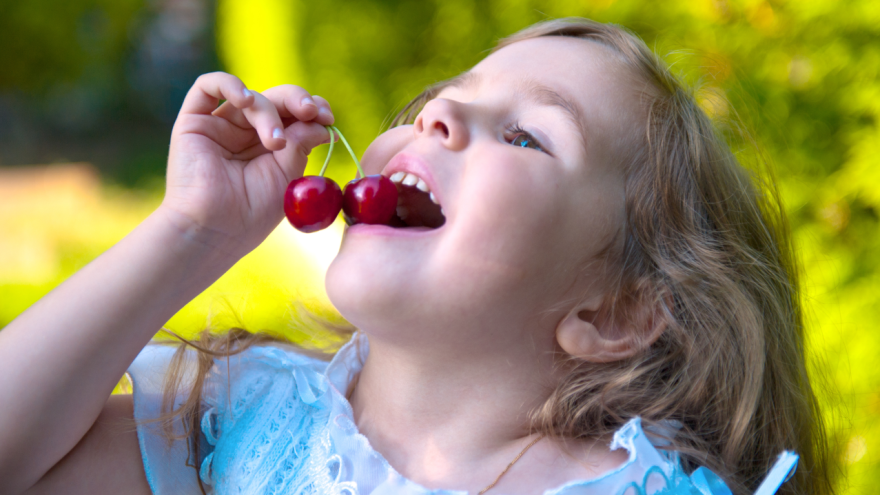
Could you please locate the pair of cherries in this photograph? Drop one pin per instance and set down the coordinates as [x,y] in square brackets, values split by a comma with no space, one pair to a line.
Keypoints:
[312,202]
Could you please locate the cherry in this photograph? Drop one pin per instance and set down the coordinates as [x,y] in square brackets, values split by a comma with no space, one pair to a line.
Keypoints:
[370,200]
[311,203]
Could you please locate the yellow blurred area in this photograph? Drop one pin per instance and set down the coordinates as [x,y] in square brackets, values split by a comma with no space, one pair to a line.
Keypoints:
[55,219]
[257,43]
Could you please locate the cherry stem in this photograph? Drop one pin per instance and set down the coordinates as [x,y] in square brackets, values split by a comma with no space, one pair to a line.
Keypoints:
[329,152]
[350,152]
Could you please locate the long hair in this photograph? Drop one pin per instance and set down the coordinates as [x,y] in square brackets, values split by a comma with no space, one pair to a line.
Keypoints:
[706,242]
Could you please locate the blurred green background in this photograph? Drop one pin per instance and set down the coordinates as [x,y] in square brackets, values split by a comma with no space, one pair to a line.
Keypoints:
[89,90]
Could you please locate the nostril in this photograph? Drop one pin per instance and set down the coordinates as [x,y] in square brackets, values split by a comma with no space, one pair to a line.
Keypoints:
[440,126]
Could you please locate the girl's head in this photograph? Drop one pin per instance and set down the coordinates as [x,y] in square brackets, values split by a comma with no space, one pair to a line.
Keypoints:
[520,153]
[590,208]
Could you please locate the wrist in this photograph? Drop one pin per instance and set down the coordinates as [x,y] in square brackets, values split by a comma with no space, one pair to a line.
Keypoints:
[192,239]
[197,250]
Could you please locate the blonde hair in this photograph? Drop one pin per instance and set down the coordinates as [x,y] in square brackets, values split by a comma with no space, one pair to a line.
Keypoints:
[708,244]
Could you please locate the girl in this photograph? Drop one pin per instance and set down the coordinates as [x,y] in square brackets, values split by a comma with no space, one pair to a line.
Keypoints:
[601,301]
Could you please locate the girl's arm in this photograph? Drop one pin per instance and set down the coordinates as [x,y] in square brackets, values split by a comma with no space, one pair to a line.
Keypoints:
[227,171]
[60,360]
[106,460]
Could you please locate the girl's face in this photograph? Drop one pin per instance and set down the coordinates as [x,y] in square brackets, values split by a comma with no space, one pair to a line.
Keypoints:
[519,154]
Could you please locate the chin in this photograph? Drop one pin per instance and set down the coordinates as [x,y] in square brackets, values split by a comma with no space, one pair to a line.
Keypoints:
[363,291]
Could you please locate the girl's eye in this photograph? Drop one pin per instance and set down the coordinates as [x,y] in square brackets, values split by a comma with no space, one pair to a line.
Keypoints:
[523,139]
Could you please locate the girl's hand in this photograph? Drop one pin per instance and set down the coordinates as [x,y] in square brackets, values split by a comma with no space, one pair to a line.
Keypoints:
[229,166]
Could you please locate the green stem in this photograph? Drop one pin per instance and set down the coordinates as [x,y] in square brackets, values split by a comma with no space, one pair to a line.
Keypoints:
[329,152]
[353,156]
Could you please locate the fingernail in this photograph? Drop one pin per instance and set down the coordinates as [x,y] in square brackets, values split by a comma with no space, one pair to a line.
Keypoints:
[278,133]
[323,111]
[308,101]
[246,92]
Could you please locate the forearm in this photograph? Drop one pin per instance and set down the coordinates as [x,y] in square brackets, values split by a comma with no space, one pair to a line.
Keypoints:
[60,359]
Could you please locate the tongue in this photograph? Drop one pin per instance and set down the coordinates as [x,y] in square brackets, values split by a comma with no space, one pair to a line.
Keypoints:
[421,211]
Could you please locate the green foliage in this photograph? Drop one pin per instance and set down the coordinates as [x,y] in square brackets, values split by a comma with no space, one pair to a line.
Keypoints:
[802,76]
[47,42]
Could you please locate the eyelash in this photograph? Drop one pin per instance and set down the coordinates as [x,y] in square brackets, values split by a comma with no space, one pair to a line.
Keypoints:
[516,130]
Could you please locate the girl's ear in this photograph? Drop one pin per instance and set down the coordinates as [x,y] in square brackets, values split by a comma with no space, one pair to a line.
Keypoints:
[604,335]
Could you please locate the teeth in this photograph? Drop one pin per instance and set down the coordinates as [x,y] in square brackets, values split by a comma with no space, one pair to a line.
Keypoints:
[410,180]
[402,212]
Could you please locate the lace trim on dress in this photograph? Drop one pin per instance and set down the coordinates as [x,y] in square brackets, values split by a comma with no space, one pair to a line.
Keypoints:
[269,433]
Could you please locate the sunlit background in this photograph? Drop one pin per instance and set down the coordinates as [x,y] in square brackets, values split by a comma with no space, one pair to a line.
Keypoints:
[89,90]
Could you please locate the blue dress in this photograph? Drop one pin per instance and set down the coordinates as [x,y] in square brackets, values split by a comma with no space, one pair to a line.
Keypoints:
[276,421]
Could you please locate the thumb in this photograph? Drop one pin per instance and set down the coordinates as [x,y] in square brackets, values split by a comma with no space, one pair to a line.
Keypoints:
[301,137]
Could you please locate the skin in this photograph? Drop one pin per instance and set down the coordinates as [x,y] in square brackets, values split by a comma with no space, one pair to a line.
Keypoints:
[522,228]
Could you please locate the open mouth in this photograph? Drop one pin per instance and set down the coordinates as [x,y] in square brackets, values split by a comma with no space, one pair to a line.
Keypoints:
[416,204]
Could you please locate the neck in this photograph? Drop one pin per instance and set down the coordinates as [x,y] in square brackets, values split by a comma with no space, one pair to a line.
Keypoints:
[451,418]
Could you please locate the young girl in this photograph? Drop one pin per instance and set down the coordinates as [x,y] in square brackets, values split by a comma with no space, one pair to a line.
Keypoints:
[601,301]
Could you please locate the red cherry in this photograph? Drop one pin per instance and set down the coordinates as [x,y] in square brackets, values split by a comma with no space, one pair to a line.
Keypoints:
[370,200]
[311,203]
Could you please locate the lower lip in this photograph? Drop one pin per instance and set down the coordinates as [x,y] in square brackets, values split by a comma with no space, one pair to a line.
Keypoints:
[384,230]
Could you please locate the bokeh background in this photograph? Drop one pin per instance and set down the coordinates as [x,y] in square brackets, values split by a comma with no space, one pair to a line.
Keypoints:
[89,90]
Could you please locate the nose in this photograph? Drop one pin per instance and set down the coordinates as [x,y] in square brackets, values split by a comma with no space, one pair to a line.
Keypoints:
[444,120]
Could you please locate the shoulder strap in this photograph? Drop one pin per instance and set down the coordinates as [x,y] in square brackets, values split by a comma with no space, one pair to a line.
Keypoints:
[785,466]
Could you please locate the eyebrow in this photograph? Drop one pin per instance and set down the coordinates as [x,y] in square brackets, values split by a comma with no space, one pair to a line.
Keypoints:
[465,80]
[549,97]
[535,91]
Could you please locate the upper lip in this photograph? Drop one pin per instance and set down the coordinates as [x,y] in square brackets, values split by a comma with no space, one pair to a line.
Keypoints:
[405,162]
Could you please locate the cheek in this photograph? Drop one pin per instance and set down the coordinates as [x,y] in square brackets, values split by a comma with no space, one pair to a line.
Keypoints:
[383,148]
[516,206]
[508,224]
[530,226]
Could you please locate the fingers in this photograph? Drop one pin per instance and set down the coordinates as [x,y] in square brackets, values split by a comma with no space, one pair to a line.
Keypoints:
[303,137]
[228,112]
[209,89]
[275,107]
[295,102]
[325,115]
[291,102]
[261,116]
[258,112]
[264,118]
[226,134]
[267,113]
